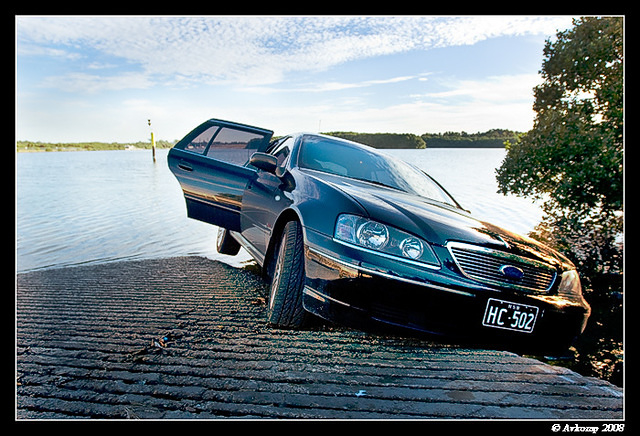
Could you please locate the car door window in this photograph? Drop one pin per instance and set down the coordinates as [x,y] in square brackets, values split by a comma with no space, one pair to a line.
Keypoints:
[234,146]
[201,141]
[209,163]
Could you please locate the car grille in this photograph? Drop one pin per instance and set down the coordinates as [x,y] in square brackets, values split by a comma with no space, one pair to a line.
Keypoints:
[484,265]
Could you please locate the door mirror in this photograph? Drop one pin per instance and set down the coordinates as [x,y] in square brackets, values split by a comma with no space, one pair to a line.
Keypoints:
[264,162]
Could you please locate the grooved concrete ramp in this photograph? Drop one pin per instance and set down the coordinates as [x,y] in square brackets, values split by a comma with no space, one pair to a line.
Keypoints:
[185,338]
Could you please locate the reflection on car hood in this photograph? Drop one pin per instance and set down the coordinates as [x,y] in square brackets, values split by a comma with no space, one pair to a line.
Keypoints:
[438,223]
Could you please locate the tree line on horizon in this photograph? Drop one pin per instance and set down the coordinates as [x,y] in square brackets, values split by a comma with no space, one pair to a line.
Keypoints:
[87,146]
[494,138]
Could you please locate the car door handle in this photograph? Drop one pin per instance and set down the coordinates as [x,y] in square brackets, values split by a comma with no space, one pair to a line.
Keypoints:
[185,166]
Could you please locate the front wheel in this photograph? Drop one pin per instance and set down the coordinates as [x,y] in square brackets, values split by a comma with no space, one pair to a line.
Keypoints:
[285,295]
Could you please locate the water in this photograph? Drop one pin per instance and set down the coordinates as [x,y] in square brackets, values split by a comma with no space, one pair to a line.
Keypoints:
[76,208]
[468,174]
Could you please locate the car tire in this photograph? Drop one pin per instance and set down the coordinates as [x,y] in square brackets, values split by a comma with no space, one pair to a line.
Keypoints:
[225,244]
[285,294]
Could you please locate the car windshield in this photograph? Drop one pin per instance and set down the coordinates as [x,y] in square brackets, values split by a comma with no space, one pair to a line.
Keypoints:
[342,158]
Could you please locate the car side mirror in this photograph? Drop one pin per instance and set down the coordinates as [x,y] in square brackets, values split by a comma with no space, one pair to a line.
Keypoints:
[264,162]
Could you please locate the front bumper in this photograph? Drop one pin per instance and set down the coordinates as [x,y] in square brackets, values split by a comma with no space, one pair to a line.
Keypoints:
[355,287]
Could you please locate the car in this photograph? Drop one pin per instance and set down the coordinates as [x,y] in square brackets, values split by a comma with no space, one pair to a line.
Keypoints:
[349,234]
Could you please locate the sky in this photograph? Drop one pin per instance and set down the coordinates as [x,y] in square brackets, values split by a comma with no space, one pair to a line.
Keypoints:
[101,78]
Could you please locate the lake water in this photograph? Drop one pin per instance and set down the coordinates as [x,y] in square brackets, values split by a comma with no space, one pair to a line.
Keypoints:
[76,208]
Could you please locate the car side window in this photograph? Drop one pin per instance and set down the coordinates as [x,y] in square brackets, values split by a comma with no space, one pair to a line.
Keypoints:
[234,146]
[283,151]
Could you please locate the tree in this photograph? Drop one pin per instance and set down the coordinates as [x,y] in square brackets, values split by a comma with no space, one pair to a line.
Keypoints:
[572,159]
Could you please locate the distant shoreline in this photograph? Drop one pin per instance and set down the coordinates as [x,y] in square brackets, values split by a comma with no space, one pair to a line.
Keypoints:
[494,138]
[35,146]
[67,149]
[40,147]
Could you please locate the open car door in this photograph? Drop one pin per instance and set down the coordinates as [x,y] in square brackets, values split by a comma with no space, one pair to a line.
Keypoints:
[210,165]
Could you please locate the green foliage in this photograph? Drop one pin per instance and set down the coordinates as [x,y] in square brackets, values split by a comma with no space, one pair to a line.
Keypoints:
[572,160]
[575,148]
[494,138]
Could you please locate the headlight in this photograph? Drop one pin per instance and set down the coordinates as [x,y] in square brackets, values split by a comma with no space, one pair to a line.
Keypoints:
[570,285]
[373,235]
[412,248]
[382,238]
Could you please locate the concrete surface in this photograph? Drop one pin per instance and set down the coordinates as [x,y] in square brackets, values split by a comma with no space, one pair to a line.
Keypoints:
[185,338]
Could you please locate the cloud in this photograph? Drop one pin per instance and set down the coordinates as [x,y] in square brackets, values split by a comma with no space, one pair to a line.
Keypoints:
[428,116]
[326,86]
[255,51]
[471,105]
[35,50]
[494,89]
[276,72]
[91,83]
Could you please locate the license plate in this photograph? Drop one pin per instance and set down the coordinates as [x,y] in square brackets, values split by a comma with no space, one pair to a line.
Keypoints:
[510,316]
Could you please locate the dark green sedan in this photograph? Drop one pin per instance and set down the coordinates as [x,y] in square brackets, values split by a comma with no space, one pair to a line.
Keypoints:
[354,236]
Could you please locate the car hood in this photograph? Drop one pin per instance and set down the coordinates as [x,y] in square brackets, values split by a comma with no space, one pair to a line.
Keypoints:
[439,223]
